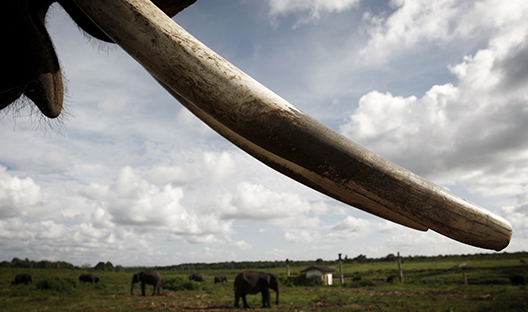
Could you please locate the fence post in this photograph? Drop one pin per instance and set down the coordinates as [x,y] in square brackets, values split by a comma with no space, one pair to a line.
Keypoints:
[341,279]
[400,268]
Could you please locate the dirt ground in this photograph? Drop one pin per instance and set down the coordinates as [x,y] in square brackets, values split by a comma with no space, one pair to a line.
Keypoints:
[182,302]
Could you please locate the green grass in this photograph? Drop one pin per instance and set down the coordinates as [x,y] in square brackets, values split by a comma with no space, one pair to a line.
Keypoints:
[428,286]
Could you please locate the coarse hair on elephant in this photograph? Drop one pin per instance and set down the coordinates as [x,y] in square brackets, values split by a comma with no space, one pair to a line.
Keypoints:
[29,63]
[147,277]
[22,279]
[197,277]
[253,282]
[89,278]
[220,279]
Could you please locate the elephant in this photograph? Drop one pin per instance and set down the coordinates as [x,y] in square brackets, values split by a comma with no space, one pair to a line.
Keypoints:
[89,278]
[272,130]
[147,277]
[22,279]
[220,279]
[253,282]
[30,65]
[517,280]
[197,277]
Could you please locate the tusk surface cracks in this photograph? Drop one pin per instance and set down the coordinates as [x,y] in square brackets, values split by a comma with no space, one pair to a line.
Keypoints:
[281,136]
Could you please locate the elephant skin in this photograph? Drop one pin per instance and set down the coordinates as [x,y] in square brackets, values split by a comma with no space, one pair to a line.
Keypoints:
[22,279]
[30,65]
[220,279]
[197,278]
[89,278]
[253,282]
[147,277]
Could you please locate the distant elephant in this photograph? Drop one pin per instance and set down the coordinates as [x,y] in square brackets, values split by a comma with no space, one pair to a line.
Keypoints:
[517,280]
[22,279]
[391,278]
[220,279]
[252,282]
[89,278]
[147,277]
[197,277]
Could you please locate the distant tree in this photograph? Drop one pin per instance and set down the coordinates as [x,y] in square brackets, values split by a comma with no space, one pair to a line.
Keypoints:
[101,266]
[390,257]
[109,266]
[319,261]
[360,259]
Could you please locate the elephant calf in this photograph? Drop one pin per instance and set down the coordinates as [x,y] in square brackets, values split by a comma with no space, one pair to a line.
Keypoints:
[220,279]
[252,282]
[89,278]
[147,277]
[22,279]
[197,277]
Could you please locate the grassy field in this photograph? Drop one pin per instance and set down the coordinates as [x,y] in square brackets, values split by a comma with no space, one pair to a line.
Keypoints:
[428,286]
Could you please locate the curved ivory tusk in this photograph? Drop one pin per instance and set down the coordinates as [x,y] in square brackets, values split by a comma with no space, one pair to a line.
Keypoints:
[278,134]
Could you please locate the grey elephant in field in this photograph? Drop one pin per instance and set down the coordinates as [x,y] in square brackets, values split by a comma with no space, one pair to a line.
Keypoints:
[22,279]
[89,278]
[147,277]
[253,282]
[197,277]
[220,279]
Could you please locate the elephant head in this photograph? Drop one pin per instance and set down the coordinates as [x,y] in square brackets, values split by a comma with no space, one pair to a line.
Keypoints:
[30,65]
[239,108]
[136,278]
[273,283]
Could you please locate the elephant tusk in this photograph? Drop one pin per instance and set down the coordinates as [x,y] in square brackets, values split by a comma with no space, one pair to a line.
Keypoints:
[281,136]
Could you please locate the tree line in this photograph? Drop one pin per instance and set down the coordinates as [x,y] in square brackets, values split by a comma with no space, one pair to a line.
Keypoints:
[244,265]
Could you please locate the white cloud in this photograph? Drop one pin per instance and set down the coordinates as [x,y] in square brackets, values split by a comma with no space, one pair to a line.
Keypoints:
[302,236]
[257,203]
[470,132]
[349,229]
[22,198]
[313,7]
[418,23]
[241,245]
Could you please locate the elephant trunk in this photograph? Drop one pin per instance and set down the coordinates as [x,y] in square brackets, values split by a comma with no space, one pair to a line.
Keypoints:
[132,289]
[277,290]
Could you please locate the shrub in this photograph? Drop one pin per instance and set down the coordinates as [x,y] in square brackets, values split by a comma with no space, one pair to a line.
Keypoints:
[179,283]
[55,283]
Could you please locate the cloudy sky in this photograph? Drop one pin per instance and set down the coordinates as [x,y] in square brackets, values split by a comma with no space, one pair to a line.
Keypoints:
[130,176]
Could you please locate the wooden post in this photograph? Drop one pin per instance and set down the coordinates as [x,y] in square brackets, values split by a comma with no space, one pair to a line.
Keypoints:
[341,278]
[287,267]
[400,268]
[465,276]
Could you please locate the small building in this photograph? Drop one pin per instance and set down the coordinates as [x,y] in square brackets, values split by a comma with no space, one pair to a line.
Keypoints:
[319,272]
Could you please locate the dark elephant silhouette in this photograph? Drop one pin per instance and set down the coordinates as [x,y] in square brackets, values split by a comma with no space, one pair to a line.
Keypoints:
[391,278]
[253,282]
[220,279]
[22,279]
[517,280]
[197,277]
[89,278]
[30,65]
[147,277]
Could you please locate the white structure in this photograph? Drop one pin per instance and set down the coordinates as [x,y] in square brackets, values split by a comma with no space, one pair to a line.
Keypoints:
[319,272]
